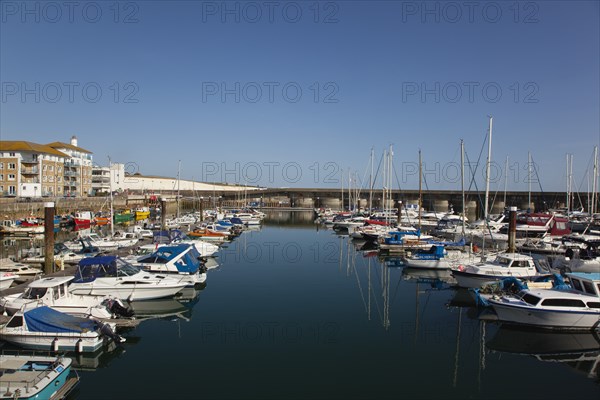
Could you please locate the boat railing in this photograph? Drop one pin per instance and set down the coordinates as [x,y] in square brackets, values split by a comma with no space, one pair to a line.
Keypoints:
[29,353]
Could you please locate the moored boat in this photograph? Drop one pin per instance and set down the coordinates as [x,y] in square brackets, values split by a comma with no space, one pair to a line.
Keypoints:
[25,376]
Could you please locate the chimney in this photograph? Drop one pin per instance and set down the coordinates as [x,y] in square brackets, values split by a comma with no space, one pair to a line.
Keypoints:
[74,140]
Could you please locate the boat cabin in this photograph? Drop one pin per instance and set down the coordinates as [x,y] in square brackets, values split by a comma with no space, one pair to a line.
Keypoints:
[588,283]
[48,289]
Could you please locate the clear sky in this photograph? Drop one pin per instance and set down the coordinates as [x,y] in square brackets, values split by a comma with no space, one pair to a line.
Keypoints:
[290,93]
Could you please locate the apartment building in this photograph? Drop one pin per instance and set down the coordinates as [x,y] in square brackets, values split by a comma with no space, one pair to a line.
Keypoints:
[30,170]
[77,169]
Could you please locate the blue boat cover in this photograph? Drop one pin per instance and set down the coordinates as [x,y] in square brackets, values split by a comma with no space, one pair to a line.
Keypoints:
[45,319]
[104,260]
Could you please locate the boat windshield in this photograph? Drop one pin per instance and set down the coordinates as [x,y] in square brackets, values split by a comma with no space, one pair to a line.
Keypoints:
[125,268]
[503,261]
[34,293]
[529,298]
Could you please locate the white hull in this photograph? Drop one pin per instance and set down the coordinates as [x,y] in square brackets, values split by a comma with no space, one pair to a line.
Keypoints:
[468,280]
[90,341]
[6,281]
[126,291]
[547,318]
[427,264]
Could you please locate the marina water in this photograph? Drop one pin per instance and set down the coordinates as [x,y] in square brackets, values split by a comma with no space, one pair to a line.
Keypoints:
[297,311]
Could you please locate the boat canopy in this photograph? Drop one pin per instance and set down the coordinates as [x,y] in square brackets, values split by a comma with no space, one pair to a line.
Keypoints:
[103,267]
[45,319]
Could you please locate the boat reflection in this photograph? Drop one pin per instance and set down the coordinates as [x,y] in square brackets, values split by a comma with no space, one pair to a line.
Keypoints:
[438,278]
[159,309]
[578,350]
[102,358]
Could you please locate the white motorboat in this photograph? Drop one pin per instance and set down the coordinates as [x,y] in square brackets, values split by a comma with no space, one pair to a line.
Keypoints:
[578,308]
[180,261]
[111,275]
[105,244]
[24,272]
[6,279]
[505,265]
[53,292]
[437,257]
[46,329]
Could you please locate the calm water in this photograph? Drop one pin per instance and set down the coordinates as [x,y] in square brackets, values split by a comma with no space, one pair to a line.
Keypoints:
[298,312]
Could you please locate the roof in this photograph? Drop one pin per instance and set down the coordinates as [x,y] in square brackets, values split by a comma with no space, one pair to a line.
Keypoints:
[21,145]
[61,145]
[50,282]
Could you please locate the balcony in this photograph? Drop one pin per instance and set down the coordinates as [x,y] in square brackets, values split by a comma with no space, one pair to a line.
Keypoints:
[72,163]
[71,173]
[30,171]
[29,160]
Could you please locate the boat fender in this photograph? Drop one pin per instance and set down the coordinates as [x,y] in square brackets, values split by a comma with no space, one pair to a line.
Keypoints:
[80,346]
[55,344]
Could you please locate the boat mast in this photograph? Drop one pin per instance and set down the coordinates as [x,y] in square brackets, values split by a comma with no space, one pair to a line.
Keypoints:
[487,171]
[529,181]
[342,180]
[594,183]
[420,174]
[505,179]
[178,179]
[462,184]
[371,185]
[112,221]
[569,182]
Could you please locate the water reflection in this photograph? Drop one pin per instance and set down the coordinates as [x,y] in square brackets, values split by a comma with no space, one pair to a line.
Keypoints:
[578,350]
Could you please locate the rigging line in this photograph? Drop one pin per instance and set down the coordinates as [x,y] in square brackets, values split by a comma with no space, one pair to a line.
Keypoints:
[359,287]
[377,171]
[397,286]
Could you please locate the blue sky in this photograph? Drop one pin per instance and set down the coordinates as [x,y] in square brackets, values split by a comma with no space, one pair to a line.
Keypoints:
[216,85]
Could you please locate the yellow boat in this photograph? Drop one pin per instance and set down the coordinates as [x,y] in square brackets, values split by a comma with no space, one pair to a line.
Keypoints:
[142,213]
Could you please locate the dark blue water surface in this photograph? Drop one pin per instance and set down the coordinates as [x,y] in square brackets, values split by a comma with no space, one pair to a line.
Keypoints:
[298,312]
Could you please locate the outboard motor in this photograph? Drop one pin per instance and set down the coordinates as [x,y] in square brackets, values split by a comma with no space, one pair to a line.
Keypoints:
[107,331]
[118,308]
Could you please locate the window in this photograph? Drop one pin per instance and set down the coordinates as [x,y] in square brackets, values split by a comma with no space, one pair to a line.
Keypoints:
[45,167]
[1,165]
[531,299]
[59,169]
[576,284]
[12,155]
[12,190]
[59,179]
[50,179]
[1,189]
[45,179]
[593,304]
[12,166]
[51,168]
[563,303]
[1,177]
[589,288]
[11,177]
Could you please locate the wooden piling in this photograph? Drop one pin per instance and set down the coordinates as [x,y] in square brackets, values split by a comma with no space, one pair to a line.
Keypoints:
[49,237]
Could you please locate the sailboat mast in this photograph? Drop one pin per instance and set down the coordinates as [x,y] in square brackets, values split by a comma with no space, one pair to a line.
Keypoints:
[420,175]
[462,183]
[178,179]
[505,179]
[595,182]
[568,186]
[371,185]
[112,217]
[529,181]
[342,180]
[487,171]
